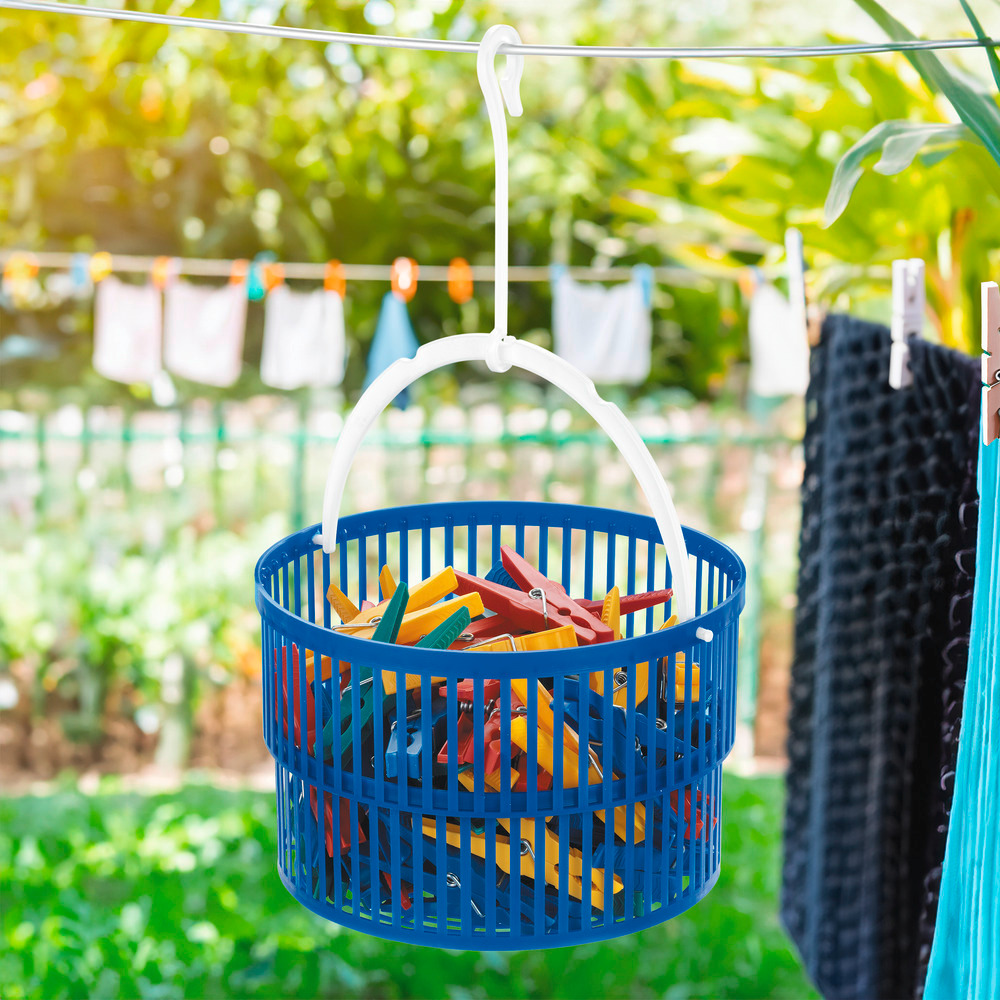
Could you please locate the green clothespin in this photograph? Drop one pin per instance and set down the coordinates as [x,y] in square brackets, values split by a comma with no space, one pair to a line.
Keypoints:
[385,631]
[447,632]
[388,628]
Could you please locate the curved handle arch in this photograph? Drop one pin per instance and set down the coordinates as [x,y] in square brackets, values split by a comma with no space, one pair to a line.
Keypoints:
[555,370]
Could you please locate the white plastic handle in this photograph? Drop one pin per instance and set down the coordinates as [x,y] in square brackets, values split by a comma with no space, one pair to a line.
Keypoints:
[557,371]
[500,352]
[495,94]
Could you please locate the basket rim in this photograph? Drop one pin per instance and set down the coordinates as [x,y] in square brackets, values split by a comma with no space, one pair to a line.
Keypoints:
[319,638]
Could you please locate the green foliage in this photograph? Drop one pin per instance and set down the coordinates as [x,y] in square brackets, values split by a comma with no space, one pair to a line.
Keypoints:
[94,612]
[136,138]
[974,106]
[176,895]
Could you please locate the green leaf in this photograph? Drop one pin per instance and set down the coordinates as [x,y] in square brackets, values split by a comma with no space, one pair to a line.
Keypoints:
[975,107]
[991,54]
[899,151]
[899,141]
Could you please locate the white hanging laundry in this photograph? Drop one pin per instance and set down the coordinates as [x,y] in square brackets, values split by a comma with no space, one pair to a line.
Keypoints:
[605,332]
[303,338]
[203,329]
[128,329]
[779,350]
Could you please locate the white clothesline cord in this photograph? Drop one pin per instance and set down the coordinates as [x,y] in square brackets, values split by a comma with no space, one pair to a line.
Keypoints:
[448,45]
[215,268]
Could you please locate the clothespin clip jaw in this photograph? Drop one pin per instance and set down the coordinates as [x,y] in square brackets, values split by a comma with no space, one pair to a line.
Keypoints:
[991,362]
[908,304]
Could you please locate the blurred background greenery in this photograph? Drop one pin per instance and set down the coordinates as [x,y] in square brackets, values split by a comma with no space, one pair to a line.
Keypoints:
[128,636]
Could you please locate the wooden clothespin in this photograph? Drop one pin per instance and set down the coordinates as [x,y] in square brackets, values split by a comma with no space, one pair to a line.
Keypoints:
[991,362]
[908,298]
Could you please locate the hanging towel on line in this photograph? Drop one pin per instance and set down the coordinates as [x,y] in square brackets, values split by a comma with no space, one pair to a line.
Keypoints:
[203,331]
[779,350]
[394,339]
[889,478]
[128,328]
[965,958]
[304,340]
[605,332]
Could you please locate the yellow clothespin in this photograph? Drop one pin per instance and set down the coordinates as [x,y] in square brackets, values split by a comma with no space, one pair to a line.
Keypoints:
[423,595]
[326,667]
[611,612]
[526,848]
[679,676]
[575,859]
[387,583]
[491,781]
[620,695]
[545,754]
[346,609]
[563,637]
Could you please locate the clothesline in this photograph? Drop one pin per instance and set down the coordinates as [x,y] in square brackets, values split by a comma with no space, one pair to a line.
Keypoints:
[451,45]
[218,268]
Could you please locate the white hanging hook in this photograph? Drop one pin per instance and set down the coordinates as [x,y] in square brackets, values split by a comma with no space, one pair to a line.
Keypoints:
[496,92]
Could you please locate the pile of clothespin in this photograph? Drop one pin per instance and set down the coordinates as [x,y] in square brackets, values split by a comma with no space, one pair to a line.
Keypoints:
[514,608]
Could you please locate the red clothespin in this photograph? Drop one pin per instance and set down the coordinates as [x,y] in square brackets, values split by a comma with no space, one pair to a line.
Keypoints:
[334,279]
[404,277]
[405,893]
[459,280]
[283,707]
[466,690]
[544,778]
[465,743]
[528,614]
[345,822]
[465,754]
[558,606]
[630,603]
[699,822]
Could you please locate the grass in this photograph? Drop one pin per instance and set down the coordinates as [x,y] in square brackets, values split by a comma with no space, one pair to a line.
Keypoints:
[176,895]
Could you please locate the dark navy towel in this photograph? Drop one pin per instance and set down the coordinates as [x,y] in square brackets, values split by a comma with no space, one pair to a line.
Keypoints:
[880,643]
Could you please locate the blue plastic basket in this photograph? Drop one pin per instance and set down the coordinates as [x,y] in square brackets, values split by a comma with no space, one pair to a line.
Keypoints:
[410,848]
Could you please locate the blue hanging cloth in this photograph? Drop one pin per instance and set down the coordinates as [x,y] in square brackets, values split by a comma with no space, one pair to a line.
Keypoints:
[965,956]
[394,339]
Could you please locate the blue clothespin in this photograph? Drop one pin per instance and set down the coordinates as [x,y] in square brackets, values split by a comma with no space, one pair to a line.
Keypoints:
[596,733]
[498,574]
[414,741]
